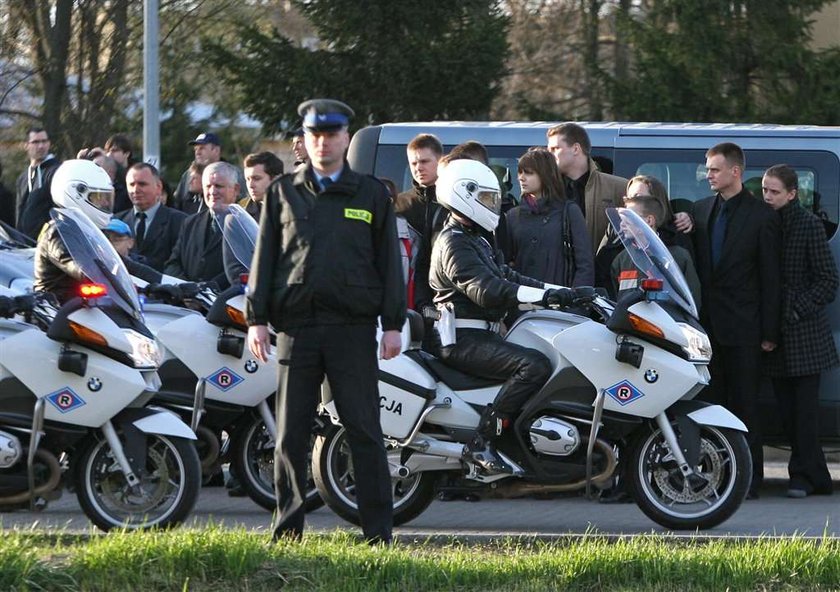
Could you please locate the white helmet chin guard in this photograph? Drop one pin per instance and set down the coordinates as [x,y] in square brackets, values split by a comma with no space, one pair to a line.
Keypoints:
[471,189]
[84,186]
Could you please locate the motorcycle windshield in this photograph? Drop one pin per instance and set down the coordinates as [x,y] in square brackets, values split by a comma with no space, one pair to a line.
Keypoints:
[651,256]
[240,233]
[96,258]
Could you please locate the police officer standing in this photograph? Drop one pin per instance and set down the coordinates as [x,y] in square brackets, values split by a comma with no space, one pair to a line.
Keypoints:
[326,265]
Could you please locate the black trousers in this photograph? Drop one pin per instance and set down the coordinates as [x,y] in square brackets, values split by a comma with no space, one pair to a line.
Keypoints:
[347,355]
[736,379]
[486,354]
[798,399]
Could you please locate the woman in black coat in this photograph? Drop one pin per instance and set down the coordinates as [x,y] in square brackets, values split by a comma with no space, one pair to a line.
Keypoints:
[809,283]
[546,236]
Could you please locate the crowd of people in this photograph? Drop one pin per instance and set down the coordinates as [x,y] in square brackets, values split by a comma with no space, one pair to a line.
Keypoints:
[759,269]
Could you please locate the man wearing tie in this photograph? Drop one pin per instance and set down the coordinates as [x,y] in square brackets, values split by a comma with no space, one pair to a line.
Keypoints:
[326,271]
[737,244]
[156,227]
[197,256]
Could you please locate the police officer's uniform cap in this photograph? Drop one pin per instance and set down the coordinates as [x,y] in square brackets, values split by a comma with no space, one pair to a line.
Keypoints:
[324,115]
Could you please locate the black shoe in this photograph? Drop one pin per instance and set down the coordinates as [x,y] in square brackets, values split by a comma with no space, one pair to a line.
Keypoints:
[615,495]
[234,487]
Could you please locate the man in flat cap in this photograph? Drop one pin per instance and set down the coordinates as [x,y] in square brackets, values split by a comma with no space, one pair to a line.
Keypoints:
[326,266]
[207,149]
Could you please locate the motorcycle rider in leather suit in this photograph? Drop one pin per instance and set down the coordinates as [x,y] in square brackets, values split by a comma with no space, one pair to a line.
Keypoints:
[472,283]
[80,185]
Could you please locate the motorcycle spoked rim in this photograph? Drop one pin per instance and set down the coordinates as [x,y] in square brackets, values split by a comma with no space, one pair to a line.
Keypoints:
[94,495]
[644,471]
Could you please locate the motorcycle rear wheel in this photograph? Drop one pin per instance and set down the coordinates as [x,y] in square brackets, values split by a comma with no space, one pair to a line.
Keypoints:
[664,495]
[332,468]
[168,490]
[253,460]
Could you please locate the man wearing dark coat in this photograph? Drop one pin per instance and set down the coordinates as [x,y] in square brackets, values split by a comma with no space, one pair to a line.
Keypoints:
[197,256]
[33,202]
[156,227]
[737,249]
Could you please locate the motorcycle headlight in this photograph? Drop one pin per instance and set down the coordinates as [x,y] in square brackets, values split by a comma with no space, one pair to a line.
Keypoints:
[699,348]
[145,352]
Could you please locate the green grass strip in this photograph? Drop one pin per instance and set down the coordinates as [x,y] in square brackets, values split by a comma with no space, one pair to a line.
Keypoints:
[221,560]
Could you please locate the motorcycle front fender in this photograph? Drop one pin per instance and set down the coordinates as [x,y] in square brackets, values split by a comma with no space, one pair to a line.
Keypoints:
[703,413]
[156,420]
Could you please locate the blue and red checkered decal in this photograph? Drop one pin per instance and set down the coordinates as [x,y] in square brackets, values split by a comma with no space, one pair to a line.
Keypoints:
[224,379]
[65,400]
[624,392]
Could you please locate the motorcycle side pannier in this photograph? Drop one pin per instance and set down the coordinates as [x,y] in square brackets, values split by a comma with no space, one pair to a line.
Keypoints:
[405,389]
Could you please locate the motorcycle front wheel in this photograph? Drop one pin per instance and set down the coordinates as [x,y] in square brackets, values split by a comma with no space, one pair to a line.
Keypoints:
[668,498]
[169,484]
[253,460]
[335,477]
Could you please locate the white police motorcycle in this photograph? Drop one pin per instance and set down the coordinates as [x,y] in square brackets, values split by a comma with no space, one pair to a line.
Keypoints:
[74,386]
[623,378]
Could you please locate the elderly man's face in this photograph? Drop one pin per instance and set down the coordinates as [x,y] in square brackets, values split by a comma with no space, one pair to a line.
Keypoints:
[219,192]
[207,153]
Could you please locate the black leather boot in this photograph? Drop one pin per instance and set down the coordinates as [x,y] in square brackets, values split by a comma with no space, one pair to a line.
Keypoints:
[480,449]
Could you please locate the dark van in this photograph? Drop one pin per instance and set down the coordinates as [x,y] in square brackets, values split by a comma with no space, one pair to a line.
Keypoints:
[672,152]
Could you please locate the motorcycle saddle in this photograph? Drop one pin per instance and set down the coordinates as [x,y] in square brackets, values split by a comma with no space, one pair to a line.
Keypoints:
[454,379]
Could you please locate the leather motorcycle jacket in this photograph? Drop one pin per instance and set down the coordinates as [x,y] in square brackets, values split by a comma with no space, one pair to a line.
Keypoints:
[466,274]
[55,270]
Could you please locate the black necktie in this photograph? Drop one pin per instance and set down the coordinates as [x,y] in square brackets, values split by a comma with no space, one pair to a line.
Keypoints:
[326,182]
[140,231]
[719,233]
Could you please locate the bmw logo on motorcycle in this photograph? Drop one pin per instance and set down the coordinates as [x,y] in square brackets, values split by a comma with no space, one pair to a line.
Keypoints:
[651,375]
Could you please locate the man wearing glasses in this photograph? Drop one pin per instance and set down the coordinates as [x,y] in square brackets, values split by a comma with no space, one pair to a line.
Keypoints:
[33,202]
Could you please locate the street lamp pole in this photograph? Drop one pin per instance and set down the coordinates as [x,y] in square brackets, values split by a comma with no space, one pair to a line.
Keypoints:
[151,84]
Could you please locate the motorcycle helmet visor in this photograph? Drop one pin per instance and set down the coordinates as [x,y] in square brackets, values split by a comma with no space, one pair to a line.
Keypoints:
[101,199]
[490,199]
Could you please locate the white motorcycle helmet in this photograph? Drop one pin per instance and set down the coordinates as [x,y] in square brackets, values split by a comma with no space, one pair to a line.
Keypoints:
[470,189]
[84,186]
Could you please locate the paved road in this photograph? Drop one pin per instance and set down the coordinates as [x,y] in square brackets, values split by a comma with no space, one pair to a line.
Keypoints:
[773,514]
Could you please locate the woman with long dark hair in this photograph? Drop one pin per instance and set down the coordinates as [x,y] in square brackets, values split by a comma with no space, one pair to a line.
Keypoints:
[546,234]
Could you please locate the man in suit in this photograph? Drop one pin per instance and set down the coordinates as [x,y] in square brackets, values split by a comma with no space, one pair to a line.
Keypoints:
[197,256]
[156,227]
[737,245]
[261,168]
[33,200]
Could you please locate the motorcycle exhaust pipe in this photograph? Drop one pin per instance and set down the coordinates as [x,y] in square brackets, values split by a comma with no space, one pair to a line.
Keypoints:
[520,489]
[54,467]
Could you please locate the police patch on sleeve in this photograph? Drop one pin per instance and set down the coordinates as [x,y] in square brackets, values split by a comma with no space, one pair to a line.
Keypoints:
[362,215]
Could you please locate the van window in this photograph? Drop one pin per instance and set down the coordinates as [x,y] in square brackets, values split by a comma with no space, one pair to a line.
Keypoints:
[684,174]
[392,163]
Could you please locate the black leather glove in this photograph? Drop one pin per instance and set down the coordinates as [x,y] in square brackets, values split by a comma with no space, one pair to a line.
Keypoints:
[165,292]
[24,303]
[558,298]
[586,293]
[6,307]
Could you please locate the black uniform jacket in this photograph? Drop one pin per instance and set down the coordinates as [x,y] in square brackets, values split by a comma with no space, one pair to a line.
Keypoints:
[196,256]
[466,273]
[741,295]
[328,257]
[161,235]
[55,270]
